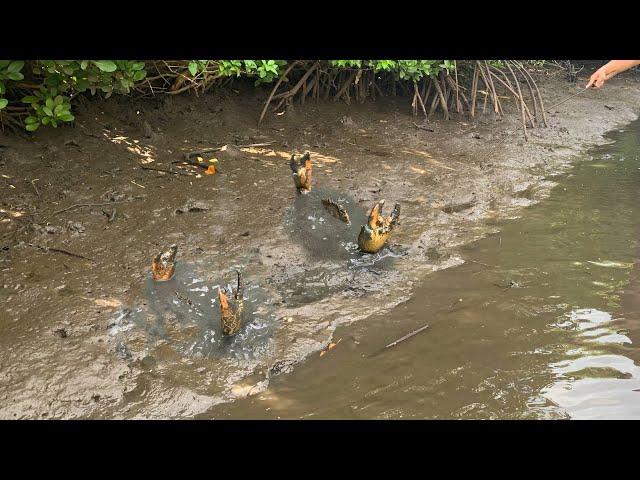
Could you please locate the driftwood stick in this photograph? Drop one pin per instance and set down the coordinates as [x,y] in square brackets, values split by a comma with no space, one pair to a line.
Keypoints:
[407,336]
[402,339]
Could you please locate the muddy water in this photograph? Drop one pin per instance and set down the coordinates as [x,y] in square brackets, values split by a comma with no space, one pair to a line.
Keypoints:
[541,321]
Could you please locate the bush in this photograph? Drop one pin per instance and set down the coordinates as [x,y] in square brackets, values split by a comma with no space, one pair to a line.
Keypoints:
[41,92]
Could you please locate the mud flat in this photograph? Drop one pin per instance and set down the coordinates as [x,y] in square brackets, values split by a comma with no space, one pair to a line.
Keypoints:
[85,334]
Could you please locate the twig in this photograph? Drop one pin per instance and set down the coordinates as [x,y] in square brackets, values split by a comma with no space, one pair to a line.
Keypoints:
[188,155]
[78,205]
[36,188]
[60,250]
[568,98]
[423,128]
[144,167]
[402,339]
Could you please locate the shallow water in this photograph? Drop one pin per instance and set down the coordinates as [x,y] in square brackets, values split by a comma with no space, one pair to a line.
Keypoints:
[541,321]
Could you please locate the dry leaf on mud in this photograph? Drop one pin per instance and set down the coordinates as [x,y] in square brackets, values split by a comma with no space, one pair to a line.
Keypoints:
[108,303]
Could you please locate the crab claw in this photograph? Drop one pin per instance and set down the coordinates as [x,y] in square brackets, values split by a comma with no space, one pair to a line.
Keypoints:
[163,264]
[376,213]
[224,301]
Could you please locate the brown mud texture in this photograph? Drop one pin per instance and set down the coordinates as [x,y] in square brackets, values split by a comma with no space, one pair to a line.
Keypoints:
[86,333]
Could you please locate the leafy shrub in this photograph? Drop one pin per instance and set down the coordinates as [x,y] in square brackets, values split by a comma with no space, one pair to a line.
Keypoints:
[9,70]
[265,70]
[51,85]
[49,108]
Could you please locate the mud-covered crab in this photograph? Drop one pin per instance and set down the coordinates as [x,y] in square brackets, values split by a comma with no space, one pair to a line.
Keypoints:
[163,266]
[302,172]
[231,313]
[375,233]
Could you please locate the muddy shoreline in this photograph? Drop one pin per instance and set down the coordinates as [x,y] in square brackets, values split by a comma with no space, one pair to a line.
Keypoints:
[67,351]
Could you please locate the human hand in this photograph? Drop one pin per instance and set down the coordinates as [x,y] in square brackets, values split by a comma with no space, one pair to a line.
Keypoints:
[598,78]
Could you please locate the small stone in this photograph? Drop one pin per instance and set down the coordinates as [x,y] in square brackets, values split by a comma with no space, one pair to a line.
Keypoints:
[61,332]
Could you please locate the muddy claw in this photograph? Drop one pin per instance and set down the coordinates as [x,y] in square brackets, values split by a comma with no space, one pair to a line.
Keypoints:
[375,233]
[163,264]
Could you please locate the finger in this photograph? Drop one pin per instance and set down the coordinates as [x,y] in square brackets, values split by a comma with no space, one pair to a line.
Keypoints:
[591,80]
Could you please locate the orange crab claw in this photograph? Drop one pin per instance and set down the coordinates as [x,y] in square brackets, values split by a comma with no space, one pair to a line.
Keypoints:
[161,274]
[224,301]
[374,216]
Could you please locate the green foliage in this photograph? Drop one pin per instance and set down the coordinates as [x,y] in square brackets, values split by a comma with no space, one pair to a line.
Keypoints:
[77,76]
[197,66]
[265,70]
[9,70]
[53,84]
[412,70]
[347,63]
[385,65]
[49,108]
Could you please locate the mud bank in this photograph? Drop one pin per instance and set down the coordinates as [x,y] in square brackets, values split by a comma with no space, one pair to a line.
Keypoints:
[92,337]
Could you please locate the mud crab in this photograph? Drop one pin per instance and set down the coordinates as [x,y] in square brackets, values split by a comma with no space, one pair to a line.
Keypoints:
[302,171]
[231,315]
[163,266]
[375,233]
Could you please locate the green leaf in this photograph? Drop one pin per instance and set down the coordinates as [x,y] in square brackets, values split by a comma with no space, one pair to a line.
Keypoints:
[32,127]
[46,120]
[58,110]
[58,100]
[2,88]
[139,75]
[15,76]
[30,119]
[29,99]
[105,65]
[48,111]
[15,67]
[193,68]
[67,117]
[3,103]
[137,66]
[82,85]
[83,64]
[4,63]
[49,103]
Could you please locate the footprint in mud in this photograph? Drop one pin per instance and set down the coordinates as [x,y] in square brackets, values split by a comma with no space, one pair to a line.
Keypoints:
[183,313]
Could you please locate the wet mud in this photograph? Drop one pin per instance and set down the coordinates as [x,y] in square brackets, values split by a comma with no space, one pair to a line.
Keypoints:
[81,222]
